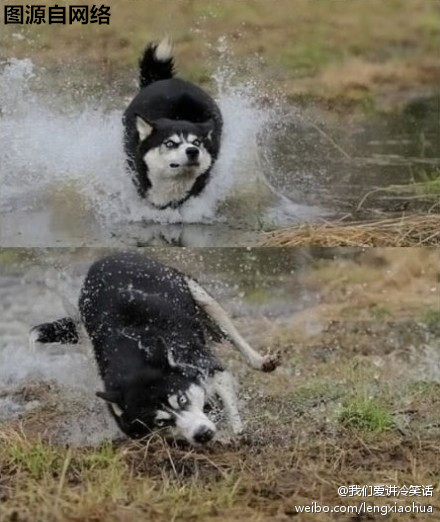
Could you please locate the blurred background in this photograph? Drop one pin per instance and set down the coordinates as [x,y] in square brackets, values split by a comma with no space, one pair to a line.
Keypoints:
[372,54]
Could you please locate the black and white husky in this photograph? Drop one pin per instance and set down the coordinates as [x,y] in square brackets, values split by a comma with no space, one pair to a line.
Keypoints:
[172,132]
[150,327]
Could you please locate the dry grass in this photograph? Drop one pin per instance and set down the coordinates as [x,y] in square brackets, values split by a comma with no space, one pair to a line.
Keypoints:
[405,231]
[133,482]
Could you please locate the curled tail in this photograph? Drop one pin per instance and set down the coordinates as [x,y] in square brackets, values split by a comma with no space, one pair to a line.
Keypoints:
[157,63]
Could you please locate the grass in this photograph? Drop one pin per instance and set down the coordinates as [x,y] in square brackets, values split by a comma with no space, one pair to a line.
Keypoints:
[431,318]
[405,231]
[339,52]
[429,183]
[221,485]
[379,312]
[365,414]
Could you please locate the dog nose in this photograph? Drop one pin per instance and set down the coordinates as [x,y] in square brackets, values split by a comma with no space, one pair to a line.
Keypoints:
[204,435]
[192,152]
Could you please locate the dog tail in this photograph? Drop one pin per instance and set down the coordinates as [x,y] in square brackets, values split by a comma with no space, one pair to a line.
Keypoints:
[157,63]
[63,331]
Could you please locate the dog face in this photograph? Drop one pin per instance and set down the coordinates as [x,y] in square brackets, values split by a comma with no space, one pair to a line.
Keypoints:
[174,150]
[169,399]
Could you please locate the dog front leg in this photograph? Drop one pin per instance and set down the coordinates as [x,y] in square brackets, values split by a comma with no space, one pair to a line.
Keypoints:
[223,386]
[268,363]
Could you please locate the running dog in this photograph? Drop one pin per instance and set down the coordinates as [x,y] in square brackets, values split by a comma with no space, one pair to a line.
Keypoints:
[172,132]
[150,327]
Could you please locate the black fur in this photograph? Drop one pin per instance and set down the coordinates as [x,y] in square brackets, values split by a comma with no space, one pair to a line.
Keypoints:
[137,312]
[172,105]
[152,70]
[61,331]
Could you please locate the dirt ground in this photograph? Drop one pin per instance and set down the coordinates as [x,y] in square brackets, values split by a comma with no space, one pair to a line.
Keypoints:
[369,54]
[356,401]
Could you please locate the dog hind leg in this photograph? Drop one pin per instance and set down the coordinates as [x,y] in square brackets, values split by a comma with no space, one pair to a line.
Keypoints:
[61,331]
[219,316]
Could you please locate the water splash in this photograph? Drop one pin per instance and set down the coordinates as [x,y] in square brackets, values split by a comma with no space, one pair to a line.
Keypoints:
[63,378]
[54,146]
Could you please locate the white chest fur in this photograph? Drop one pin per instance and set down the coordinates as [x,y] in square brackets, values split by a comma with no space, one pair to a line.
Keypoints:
[165,190]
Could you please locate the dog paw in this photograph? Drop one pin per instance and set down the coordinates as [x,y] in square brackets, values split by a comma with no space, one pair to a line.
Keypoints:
[270,362]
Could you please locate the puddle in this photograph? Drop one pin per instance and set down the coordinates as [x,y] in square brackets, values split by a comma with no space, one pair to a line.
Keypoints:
[334,162]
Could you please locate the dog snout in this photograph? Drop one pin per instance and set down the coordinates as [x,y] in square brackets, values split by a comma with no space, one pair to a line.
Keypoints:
[192,153]
[204,435]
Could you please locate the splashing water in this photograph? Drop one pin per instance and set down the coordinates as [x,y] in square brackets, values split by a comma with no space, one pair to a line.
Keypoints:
[52,146]
[47,146]
[62,379]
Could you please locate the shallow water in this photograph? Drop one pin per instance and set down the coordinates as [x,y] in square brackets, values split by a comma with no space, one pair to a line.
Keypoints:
[43,285]
[335,162]
[63,179]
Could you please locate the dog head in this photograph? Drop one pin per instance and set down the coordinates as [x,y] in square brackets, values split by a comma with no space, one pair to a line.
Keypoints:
[174,149]
[166,397]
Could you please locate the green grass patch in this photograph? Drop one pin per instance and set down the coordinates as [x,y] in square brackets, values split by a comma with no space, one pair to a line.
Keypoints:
[429,25]
[365,414]
[431,318]
[307,58]
[379,312]
[36,459]
[101,458]
[428,183]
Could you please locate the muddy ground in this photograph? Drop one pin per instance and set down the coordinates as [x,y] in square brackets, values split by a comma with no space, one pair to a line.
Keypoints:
[356,401]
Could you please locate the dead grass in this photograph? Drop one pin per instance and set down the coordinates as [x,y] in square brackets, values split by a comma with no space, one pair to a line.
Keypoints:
[164,483]
[405,231]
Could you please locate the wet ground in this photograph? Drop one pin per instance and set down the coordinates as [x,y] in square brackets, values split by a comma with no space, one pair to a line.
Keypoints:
[38,285]
[355,401]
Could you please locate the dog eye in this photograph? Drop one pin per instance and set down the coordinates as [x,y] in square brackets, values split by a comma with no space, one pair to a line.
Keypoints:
[197,143]
[170,144]
[182,400]
[160,423]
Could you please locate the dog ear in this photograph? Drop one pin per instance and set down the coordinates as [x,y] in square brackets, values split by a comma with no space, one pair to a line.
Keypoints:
[207,128]
[112,398]
[109,396]
[144,128]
